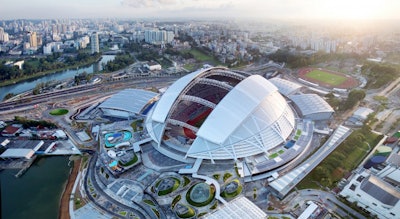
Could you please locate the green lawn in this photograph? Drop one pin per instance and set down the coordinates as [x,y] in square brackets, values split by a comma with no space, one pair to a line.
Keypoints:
[131,162]
[149,202]
[58,112]
[326,77]
[201,56]
[272,156]
[190,67]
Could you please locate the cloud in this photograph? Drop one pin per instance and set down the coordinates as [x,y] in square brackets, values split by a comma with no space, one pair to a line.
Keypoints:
[148,3]
[179,4]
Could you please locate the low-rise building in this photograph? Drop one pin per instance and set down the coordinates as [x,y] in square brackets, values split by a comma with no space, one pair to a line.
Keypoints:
[12,130]
[153,66]
[373,194]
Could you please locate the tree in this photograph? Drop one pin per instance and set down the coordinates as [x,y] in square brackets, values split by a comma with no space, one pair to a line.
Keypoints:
[354,97]
[332,100]
[8,96]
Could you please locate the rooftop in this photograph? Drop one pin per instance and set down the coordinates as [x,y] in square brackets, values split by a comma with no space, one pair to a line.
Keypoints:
[285,87]
[129,100]
[311,103]
[239,208]
[380,190]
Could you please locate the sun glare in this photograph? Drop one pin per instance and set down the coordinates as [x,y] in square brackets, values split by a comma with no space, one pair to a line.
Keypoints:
[354,9]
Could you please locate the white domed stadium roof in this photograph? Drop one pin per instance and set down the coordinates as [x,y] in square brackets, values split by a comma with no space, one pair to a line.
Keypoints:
[250,117]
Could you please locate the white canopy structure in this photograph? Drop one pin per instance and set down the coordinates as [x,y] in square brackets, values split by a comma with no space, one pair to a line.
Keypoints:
[18,153]
[312,106]
[127,103]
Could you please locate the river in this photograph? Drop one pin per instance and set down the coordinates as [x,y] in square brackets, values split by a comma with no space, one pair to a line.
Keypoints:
[37,193]
[31,83]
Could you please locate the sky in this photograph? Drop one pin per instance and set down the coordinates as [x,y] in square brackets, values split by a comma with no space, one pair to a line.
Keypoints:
[274,9]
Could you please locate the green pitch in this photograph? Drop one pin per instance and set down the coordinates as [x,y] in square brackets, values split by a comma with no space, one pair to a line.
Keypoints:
[326,77]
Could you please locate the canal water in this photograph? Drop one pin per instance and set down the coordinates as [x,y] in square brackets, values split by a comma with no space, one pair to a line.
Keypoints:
[31,83]
[37,193]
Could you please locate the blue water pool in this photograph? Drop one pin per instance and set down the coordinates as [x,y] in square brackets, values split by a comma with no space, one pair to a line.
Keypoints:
[114,138]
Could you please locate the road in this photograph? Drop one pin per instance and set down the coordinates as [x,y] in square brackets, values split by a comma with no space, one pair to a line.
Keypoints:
[325,198]
[100,191]
[32,100]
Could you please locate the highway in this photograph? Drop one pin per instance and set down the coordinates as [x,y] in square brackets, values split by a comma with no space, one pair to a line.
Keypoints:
[40,98]
[31,100]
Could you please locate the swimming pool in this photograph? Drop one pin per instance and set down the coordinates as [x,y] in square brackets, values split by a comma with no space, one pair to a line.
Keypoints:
[113,163]
[114,138]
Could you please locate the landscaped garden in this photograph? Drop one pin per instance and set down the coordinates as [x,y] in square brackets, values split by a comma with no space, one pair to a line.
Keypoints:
[232,189]
[167,185]
[200,194]
[129,163]
[184,211]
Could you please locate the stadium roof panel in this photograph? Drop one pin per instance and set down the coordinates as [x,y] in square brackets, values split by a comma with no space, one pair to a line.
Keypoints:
[311,103]
[129,100]
[237,105]
[252,118]
[285,87]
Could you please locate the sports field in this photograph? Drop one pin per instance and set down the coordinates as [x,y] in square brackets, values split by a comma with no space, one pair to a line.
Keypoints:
[326,77]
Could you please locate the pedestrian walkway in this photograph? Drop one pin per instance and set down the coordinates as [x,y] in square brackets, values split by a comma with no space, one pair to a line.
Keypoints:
[287,182]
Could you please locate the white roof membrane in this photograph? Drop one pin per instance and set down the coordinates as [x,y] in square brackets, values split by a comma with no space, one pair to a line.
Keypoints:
[237,105]
[129,100]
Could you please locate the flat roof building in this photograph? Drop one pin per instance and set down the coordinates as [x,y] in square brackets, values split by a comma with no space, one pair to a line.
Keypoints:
[128,103]
[373,194]
[312,106]
[362,113]
[285,87]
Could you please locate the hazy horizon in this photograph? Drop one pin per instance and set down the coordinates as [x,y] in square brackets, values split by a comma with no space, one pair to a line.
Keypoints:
[354,10]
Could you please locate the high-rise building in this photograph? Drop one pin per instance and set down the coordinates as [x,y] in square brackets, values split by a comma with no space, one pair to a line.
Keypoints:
[5,37]
[33,39]
[1,33]
[94,43]
[158,37]
[47,49]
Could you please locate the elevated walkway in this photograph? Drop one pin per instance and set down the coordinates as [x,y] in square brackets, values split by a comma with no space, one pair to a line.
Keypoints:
[193,169]
[287,182]
[136,145]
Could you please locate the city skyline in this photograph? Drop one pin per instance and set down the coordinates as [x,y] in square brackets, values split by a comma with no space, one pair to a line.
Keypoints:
[272,9]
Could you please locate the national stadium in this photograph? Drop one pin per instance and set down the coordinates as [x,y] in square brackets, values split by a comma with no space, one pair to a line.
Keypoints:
[220,115]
